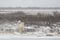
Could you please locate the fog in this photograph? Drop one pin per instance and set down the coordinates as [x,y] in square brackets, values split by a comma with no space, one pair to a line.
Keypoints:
[29,3]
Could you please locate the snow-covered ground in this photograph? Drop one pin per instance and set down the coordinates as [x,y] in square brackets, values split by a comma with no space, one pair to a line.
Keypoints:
[39,33]
[24,37]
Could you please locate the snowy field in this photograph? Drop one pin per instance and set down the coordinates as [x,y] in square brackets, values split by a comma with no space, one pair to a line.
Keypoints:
[8,31]
[23,37]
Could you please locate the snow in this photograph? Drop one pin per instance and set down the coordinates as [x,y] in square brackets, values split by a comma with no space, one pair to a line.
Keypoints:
[8,36]
[18,36]
[40,34]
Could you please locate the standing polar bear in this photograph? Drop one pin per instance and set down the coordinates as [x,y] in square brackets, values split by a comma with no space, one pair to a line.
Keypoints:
[20,26]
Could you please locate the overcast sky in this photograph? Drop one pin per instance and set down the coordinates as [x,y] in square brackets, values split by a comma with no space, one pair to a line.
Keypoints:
[29,3]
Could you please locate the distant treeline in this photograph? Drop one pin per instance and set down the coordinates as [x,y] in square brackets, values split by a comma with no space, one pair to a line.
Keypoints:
[29,7]
[30,18]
